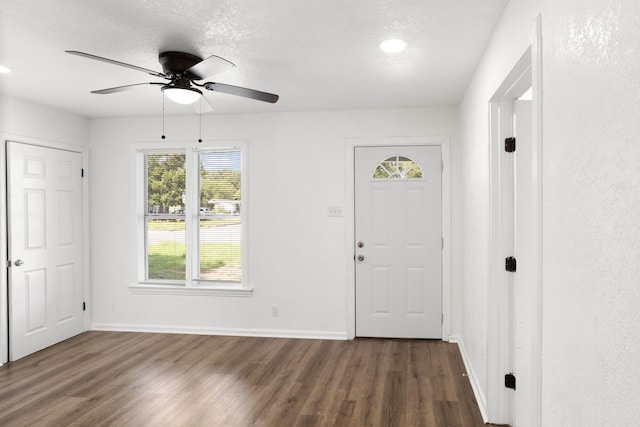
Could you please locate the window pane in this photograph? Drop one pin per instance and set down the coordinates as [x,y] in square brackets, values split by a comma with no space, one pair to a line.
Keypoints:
[220,249]
[397,167]
[220,227]
[166,187]
[164,233]
[166,259]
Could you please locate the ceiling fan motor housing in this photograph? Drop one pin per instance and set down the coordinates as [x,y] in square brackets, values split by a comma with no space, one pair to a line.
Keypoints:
[180,82]
[176,63]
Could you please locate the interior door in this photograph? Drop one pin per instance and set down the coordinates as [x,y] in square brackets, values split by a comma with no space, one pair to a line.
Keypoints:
[45,247]
[398,234]
[526,277]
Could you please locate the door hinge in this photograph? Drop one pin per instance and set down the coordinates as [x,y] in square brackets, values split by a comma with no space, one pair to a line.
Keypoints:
[82,173]
[510,144]
[510,381]
[84,306]
[8,263]
[510,264]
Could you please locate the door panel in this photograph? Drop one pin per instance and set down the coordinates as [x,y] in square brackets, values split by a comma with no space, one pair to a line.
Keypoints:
[526,279]
[44,192]
[35,284]
[398,220]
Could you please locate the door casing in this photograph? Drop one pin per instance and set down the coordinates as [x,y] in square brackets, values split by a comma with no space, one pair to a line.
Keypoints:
[349,217]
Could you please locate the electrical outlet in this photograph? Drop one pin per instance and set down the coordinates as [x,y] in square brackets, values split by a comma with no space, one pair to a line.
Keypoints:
[275,311]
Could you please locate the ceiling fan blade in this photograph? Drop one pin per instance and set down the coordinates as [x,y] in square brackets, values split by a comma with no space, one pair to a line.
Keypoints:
[242,91]
[122,64]
[204,106]
[123,88]
[208,67]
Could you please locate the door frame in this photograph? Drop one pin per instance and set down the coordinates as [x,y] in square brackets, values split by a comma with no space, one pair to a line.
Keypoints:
[4,285]
[500,408]
[349,216]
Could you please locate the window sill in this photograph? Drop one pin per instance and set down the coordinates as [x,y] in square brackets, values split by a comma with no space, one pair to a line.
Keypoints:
[157,289]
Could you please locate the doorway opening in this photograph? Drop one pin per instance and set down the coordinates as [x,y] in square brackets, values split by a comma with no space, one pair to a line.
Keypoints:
[514,311]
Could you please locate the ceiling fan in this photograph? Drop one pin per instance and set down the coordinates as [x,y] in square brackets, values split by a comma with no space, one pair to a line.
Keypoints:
[184,71]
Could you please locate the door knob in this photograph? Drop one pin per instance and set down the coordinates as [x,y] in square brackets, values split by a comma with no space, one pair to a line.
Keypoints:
[361,244]
[18,263]
[360,257]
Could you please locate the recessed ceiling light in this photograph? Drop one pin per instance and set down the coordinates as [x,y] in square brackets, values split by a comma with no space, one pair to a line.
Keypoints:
[393,45]
[4,70]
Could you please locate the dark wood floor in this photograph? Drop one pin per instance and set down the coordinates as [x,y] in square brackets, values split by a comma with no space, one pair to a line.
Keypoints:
[135,379]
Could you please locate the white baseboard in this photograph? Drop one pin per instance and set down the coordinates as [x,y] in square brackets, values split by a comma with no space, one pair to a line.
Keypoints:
[481,399]
[196,330]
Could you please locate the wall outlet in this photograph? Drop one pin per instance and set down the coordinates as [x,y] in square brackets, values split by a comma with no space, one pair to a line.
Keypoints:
[275,311]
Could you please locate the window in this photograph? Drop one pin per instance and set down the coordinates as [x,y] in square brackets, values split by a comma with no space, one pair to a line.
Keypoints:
[397,167]
[191,218]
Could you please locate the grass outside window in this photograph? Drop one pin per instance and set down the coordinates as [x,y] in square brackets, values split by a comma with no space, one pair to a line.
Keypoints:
[167,261]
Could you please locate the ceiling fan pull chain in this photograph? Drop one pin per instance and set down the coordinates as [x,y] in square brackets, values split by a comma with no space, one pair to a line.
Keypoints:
[200,116]
[163,137]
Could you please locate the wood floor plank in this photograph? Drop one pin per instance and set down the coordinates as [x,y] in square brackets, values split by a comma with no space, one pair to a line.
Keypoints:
[137,379]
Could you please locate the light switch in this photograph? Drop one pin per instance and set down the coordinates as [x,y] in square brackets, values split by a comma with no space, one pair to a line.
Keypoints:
[334,211]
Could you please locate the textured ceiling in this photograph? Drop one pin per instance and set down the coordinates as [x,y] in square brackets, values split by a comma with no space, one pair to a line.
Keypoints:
[316,55]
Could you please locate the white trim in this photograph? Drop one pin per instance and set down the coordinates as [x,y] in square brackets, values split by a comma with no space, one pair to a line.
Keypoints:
[197,330]
[481,399]
[350,145]
[156,289]
[86,239]
[536,78]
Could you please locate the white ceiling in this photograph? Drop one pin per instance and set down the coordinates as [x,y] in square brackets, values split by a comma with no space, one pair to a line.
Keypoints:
[317,55]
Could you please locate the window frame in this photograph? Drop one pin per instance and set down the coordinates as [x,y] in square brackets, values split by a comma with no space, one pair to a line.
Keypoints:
[396,176]
[191,285]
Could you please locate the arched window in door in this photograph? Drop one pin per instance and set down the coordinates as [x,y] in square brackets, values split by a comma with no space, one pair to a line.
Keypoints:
[397,167]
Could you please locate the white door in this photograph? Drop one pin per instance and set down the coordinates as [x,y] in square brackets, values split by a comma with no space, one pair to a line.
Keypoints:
[45,247]
[526,277]
[398,234]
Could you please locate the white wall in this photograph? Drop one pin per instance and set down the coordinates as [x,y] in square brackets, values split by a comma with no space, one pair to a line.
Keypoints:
[591,177]
[22,120]
[26,122]
[297,253]
[591,226]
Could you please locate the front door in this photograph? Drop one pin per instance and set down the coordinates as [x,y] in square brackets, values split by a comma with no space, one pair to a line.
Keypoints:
[398,235]
[45,247]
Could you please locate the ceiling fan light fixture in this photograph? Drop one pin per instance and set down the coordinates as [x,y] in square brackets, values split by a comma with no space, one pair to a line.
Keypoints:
[393,45]
[182,95]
